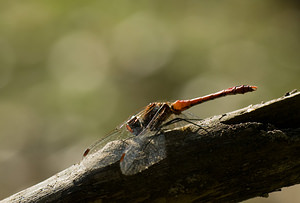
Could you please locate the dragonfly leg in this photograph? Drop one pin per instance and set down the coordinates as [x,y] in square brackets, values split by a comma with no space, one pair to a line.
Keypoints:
[190,121]
[176,120]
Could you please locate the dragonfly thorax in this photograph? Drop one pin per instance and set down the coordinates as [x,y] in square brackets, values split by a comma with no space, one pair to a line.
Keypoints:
[152,118]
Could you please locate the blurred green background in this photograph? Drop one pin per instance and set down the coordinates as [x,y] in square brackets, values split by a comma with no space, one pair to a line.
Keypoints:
[71,71]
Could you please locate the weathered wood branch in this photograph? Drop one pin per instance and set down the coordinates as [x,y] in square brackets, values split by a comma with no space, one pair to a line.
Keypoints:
[239,155]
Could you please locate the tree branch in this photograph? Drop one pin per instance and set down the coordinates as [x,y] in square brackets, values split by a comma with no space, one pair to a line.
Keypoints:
[239,155]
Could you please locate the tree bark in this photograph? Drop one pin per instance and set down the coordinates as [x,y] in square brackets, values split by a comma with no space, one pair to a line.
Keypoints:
[233,157]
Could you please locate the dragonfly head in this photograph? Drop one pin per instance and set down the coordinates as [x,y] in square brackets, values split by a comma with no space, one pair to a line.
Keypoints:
[134,125]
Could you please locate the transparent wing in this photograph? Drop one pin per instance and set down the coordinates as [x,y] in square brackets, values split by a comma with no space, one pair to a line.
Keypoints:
[145,149]
[148,148]
[117,134]
[142,152]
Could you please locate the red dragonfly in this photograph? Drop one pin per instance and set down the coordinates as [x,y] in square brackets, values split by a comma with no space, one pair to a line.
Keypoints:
[147,144]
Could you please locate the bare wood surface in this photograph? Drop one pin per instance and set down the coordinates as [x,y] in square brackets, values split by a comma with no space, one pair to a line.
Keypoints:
[240,155]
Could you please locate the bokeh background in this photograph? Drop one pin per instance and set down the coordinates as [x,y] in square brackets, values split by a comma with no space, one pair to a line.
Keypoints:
[71,71]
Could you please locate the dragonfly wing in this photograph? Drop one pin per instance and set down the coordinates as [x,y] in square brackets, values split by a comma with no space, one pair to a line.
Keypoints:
[109,154]
[117,134]
[142,152]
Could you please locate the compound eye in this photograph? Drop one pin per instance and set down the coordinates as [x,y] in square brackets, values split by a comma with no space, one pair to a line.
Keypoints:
[134,125]
[129,128]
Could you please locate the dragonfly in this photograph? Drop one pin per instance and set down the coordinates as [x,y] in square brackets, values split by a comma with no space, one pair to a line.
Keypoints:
[144,132]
